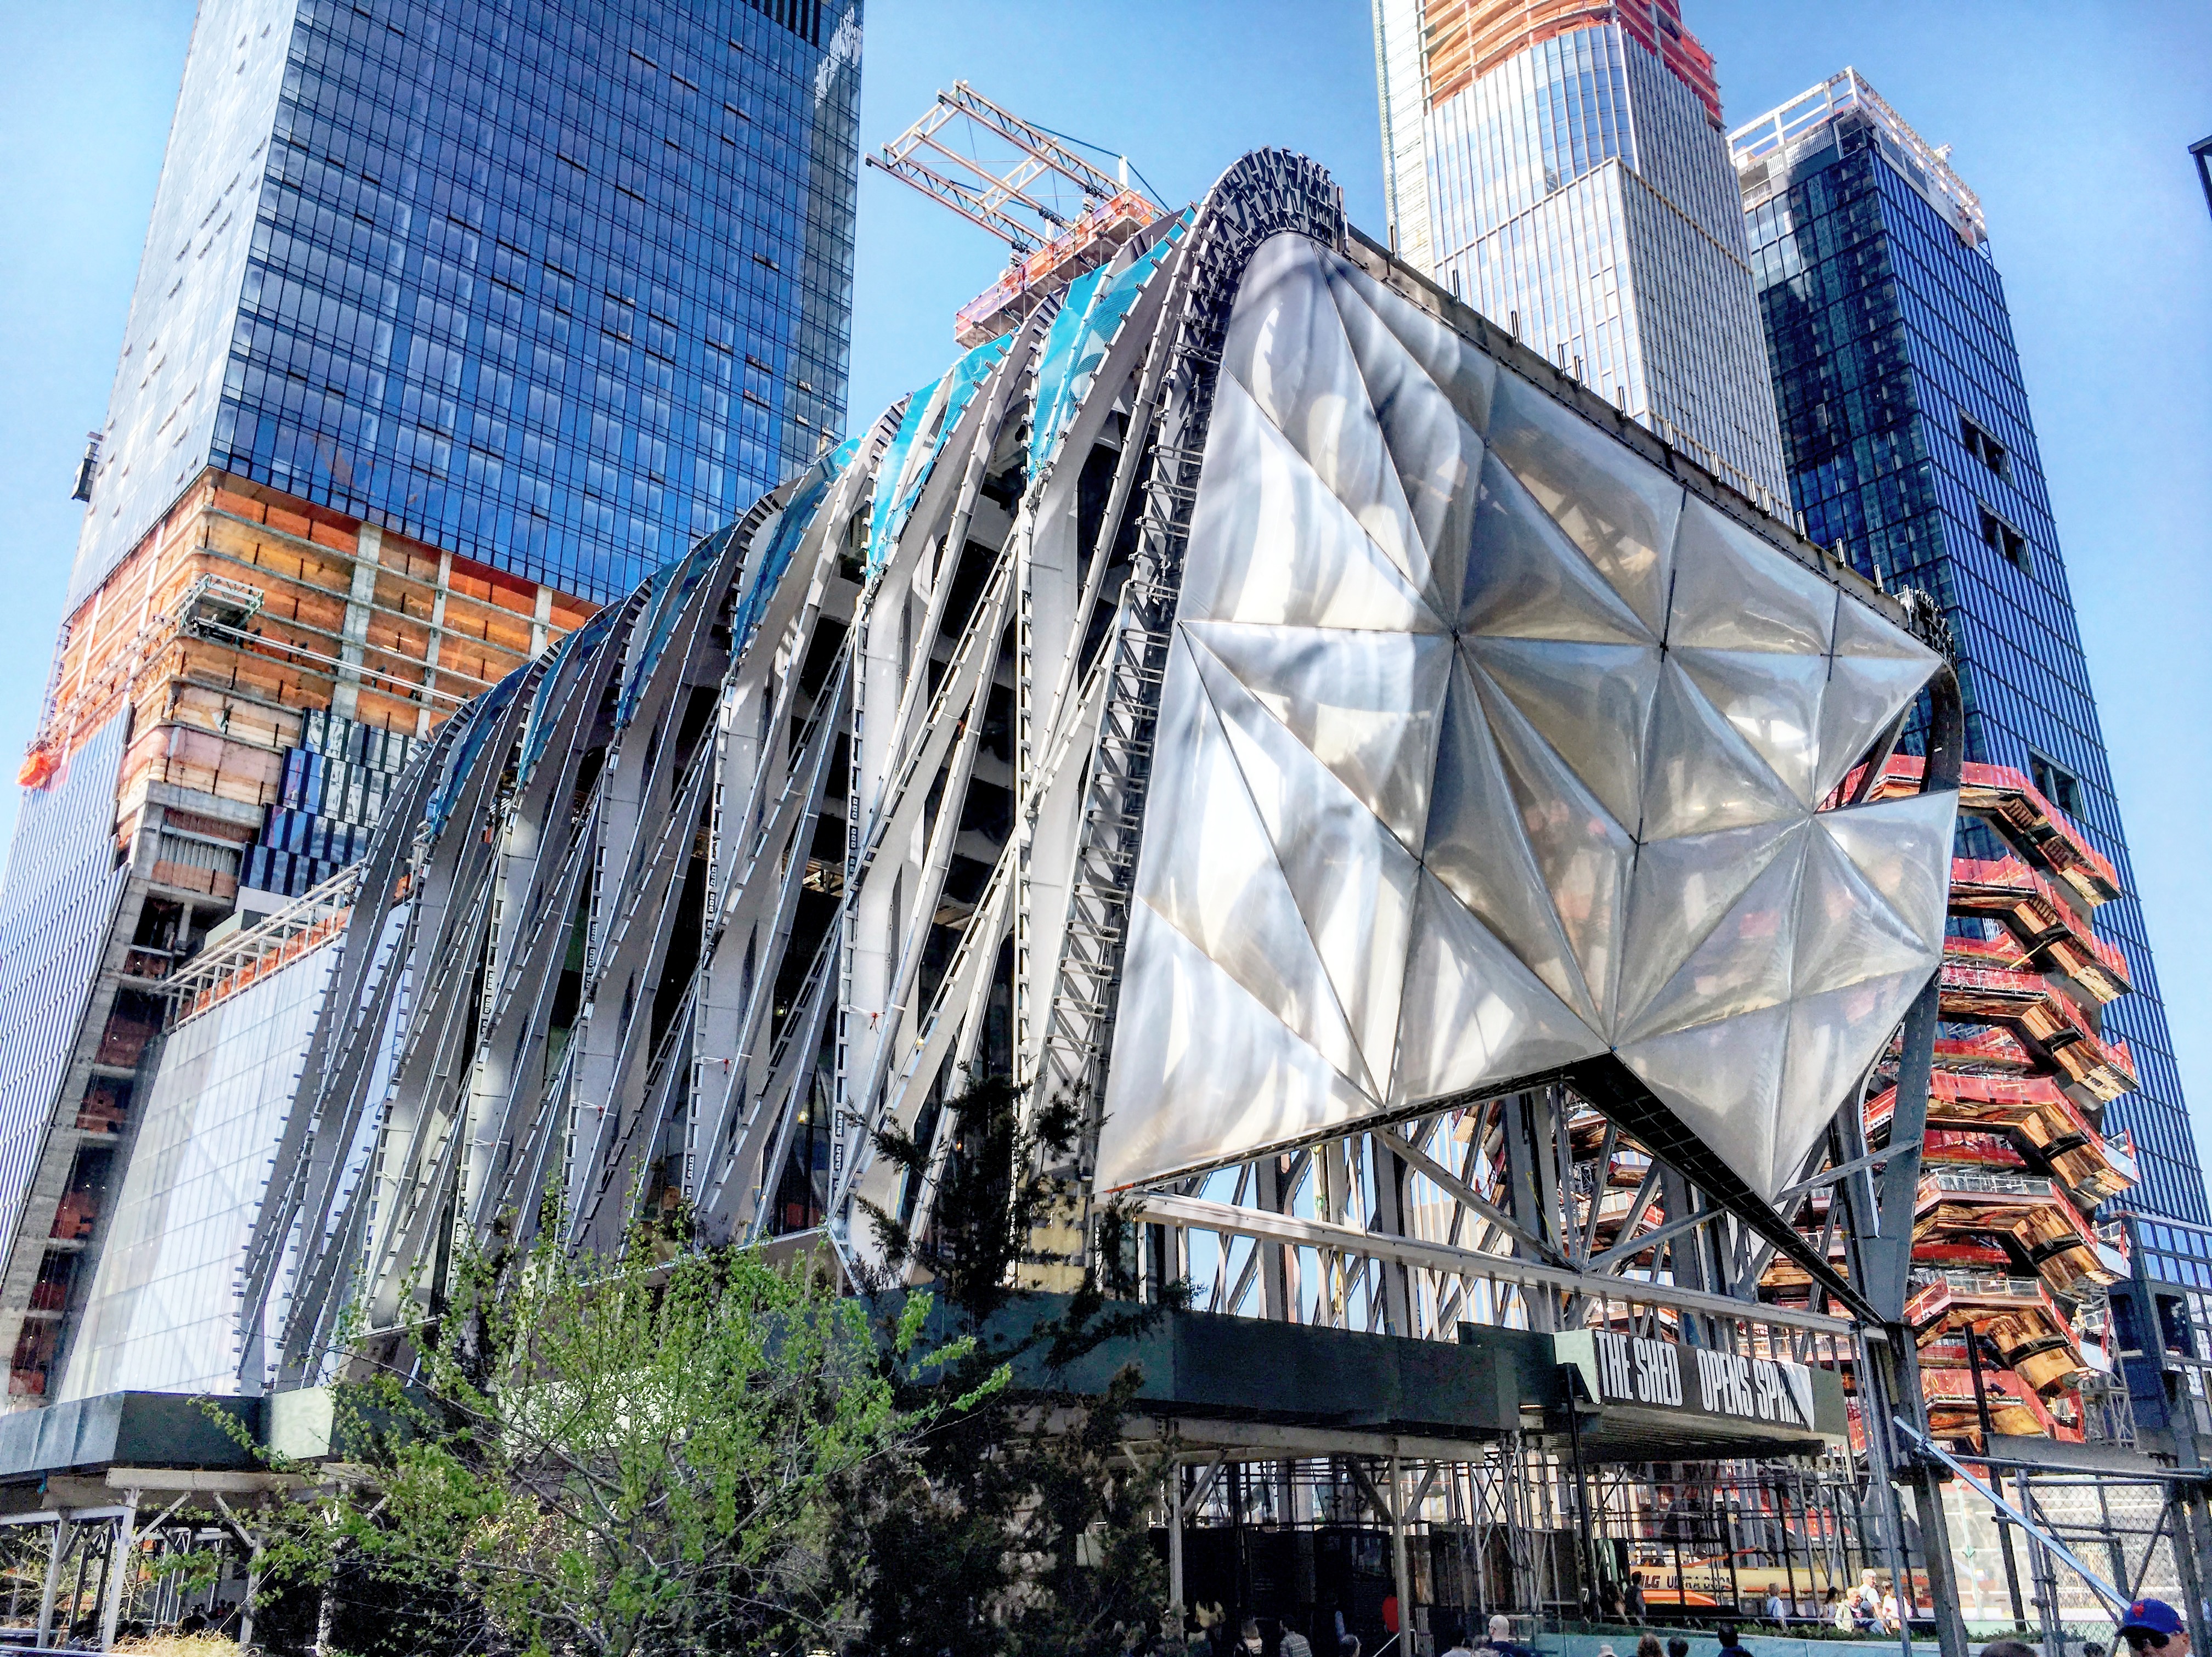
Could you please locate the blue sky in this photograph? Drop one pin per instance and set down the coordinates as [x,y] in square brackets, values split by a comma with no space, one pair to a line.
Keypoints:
[2071,121]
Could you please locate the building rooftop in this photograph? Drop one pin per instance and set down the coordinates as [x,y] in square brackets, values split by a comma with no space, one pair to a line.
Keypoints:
[1791,126]
[1465,40]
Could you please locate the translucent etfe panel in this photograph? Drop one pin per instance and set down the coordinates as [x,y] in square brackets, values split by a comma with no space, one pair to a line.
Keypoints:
[1903,848]
[1681,890]
[1210,871]
[1733,591]
[1833,1037]
[1352,882]
[1391,860]
[1365,704]
[1847,932]
[1435,449]
[1466,375]
[1723,1081]
[1700,775]
[1774,700]
[1472,1013]
[1476,847]
[1582,853]
[1286,346]
[1743,961]
[1525,579]
[1875,672]
[1201,1068]
[163,1311]
[1271,542]
[1591,702]
[1864,695]
[1617,507]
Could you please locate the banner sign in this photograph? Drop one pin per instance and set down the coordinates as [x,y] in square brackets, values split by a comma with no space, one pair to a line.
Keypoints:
[1667,1375]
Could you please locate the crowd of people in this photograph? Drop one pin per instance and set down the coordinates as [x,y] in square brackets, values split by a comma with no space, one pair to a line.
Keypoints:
[2151,1629]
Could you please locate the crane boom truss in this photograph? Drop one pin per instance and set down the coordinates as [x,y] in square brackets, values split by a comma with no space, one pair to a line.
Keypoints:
[1058,214]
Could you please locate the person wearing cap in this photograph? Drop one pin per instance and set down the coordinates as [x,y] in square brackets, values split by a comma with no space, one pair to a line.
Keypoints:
[2153,1625]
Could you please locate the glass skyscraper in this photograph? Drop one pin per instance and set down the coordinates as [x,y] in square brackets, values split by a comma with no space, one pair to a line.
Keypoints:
[557,288]
[1910,442]
[455,319]
[1560,166]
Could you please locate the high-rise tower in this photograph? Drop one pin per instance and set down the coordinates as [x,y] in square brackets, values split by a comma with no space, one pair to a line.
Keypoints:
[1907,426]
[1560,165]
[455,318]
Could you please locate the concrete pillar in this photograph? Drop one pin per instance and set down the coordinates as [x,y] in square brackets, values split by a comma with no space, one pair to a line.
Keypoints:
[437,633]
[353,632]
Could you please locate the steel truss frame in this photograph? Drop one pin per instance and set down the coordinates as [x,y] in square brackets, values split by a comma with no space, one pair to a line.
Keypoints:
[848,803]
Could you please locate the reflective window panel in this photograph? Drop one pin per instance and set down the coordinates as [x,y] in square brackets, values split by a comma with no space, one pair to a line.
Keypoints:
[1907,431]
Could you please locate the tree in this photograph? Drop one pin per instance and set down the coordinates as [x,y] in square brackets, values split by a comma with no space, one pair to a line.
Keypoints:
[634,1456]
[1020,1524]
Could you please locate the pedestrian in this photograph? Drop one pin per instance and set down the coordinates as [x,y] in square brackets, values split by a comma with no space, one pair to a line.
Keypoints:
[1249,1637]
[1836,1610]
[1893,1614]
[1777,1612]
[1501,1638]
[1866,1603]
[1648,1646]
[1457,1634]
[2008,1648]
[1730,1646]
[1677,1647]
[2153,1625]
[1636,1596]
[1294,1644]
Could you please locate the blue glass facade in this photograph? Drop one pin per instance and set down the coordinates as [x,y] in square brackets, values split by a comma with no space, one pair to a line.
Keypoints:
[1909,440]
[557,289]
[2162,1316]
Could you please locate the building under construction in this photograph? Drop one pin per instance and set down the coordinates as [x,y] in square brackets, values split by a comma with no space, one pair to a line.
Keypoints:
[396,411]
[1457,844]
[1457,848]
[229,709]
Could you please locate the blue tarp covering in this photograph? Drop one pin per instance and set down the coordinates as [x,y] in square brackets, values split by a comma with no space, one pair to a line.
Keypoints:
[1076,343]
[790,525]
[483,717]
[931,413]
[537,730]
[672,584]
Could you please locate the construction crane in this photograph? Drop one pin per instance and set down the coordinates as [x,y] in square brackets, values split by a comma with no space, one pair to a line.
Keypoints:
[1058,214]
